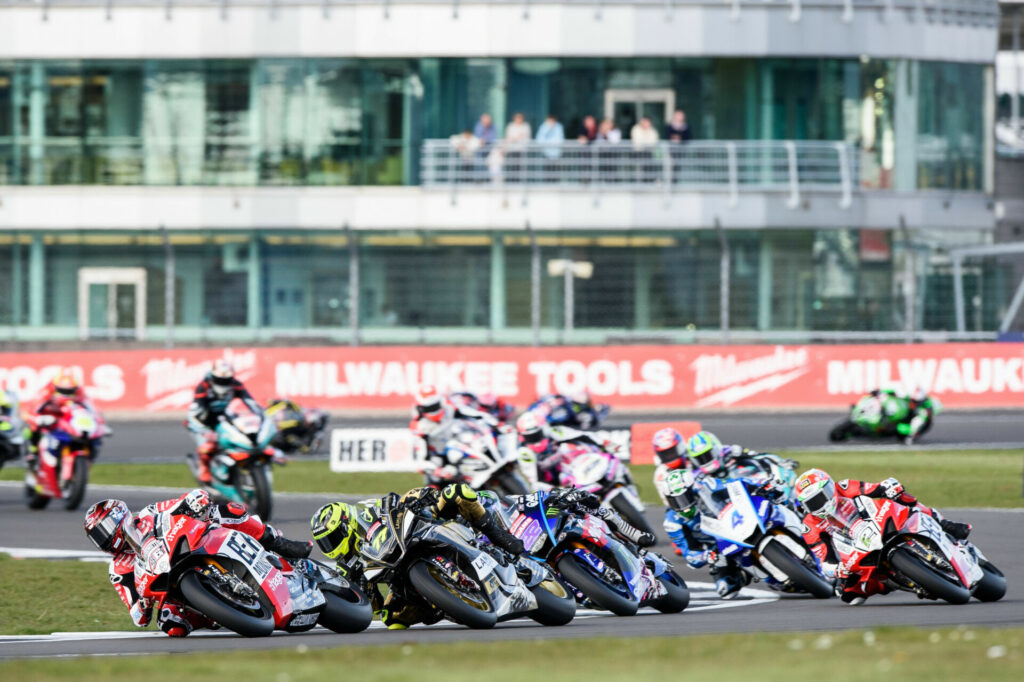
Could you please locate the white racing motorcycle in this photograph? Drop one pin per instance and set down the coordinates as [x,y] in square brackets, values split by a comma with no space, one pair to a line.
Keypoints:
[486,461]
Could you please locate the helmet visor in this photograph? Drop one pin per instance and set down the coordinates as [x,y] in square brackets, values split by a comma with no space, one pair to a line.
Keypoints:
[817,503]
[222,381]
[669,456]
[703,458]
[334,542]
[684,501]
[104,533]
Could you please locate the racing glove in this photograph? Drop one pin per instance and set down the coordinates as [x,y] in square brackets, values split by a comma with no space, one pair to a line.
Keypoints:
[892,488]
[141,611]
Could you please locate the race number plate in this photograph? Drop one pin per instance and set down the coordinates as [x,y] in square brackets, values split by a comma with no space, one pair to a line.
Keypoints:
[484,564]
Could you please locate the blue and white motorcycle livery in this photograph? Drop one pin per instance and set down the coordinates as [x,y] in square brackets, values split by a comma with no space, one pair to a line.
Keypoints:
[762,538]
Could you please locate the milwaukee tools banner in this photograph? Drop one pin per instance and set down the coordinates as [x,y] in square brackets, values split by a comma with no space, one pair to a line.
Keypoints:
[651,377]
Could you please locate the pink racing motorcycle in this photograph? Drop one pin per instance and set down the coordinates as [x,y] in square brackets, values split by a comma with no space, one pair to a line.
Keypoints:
[591,468]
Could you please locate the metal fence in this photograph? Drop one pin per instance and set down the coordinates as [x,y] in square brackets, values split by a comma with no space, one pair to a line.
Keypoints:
[732,166]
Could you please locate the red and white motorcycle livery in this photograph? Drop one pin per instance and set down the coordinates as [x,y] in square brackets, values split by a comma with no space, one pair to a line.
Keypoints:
[227,577]
[883,544]
[66,450]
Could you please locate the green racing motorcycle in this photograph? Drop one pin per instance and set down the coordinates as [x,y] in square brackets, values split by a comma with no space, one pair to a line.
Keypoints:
[884,414]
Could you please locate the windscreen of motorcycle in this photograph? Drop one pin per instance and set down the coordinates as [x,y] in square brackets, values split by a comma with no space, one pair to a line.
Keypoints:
[589,469]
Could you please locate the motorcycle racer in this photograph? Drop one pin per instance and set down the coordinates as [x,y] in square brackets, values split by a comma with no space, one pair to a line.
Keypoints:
[825,503]
[339,530]
[64,388]
[112,527]
[893,409]
[210,399]
[581,502]
[484,402]
[433,418]
[543,447]
[576,410]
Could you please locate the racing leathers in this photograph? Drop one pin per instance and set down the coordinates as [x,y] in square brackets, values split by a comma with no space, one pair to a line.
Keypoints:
[818,531]
[49,407]
[433,436]
[906,415]
[455,500]
[541,468]
[208,406]
[128,572]
[581,502]
[558,410]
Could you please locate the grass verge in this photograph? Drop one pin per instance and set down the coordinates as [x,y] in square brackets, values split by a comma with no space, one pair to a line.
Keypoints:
[967,478]
[886,653]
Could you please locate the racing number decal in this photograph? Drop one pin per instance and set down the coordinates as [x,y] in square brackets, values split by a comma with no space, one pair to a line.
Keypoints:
[247,548]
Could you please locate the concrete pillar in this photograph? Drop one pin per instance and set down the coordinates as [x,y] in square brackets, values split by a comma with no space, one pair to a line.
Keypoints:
[17,285]
[905,124]
[36,281]
[497,297]
[765,276]
[642,291]
[37,124]
[255,292]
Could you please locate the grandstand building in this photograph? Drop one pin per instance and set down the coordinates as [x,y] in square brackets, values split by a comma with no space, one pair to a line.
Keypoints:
[248,171]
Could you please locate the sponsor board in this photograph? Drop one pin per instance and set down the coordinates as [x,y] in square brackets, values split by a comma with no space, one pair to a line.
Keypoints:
[643,377]
[374,450]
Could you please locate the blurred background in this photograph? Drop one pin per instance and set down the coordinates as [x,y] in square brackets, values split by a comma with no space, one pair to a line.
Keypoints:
[250,172]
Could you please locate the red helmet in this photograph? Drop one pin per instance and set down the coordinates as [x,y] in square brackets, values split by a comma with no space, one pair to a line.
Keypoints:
[429,404]
[65,384]
[108,525]
[531,430]
[669,448]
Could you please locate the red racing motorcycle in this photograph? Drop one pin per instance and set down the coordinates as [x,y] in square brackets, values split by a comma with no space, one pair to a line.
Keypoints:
[229,578]
[66,450]
[883,542]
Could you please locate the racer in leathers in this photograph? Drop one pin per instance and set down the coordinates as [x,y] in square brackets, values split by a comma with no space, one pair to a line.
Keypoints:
[111,526]
[64,388]
[543,447]
[824,502]
[895,411]
[577,410]
[434,417]
[705,455]
[682,490]
[484,402]
[339,530]
[10,426]
[209,401]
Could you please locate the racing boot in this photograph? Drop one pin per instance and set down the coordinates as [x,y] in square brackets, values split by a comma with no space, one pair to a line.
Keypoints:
[273,541]
[497,534]
[205,452]
[955,529]
[728,581]
[623,528]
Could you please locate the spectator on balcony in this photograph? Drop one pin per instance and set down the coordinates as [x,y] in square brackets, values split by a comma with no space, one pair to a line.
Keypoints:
[608,132]
[484,130]
[607,135]
[551,135]
[678,130]
[517,135]
[588,131]
[644,136]
[467,145]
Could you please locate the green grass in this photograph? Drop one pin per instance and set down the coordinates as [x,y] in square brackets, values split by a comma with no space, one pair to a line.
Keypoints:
[967,478]
[883,654]
[40,596]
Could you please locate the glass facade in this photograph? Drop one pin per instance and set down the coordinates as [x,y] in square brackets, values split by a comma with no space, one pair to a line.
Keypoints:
[477,287]
[361,122]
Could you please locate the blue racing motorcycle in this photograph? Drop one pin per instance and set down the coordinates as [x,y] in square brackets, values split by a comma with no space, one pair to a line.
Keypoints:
[762,538]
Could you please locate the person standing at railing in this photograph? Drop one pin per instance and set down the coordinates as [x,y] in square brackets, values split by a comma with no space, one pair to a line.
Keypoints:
[517,135]
[551,135]
[608,134]
[588,130]
[467,145]
[644,137]
[484,130]
[677,132]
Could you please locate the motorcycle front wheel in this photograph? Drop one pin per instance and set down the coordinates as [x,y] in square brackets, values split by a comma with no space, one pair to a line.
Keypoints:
[841,431]
[261,503]
[678,597]
[802,576]
[208,602]
[634,516]
[473,610]
[346,613]
[596,589]
[992,586]
[76,486]
[933,582]
[555,604]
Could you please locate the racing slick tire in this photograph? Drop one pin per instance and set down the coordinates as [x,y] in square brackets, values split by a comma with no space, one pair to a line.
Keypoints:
[262,503]
[593,587]
[841,431]
[205,601]
[992,586]
[346,613]
[927,577]
[512,483]
[801,575]
[77,485]
[678,597]
[454,606]
[555,603]
[635,517]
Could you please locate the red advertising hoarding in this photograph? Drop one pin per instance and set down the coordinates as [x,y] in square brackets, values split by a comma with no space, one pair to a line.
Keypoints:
[650,377]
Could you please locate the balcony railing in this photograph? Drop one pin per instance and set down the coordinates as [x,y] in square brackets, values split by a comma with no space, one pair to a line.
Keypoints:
[730,166]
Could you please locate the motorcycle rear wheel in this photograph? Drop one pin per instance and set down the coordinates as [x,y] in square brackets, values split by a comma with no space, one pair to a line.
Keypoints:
[634,516]
[992,586]
[801,575]
[35,500]
[593,587]
[678,597]
[262,503]
[449,600]
[78,483]
[512,483]
[346,613]
[208,603]
[555,604]
[927,577]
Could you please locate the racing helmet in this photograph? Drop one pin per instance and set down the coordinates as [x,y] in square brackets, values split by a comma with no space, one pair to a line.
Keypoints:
[532,432]
[580,400]
[221,376]
[429,404]
[65,384]
[338,529]
[681,492]
[816,493]
[705,452]
[108,524]
[669,448]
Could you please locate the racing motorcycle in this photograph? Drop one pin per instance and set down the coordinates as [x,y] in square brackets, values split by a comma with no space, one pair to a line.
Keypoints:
[603,571]
[12,436]
[298,429]
[885,542]
[484,461]
[880,416]
[445,566]
[67,447]
[241,468]
[764,539]
[229,578]
[597,471]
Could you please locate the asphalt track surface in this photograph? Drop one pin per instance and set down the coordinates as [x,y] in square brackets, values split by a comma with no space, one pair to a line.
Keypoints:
[999,533]
[166,440]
